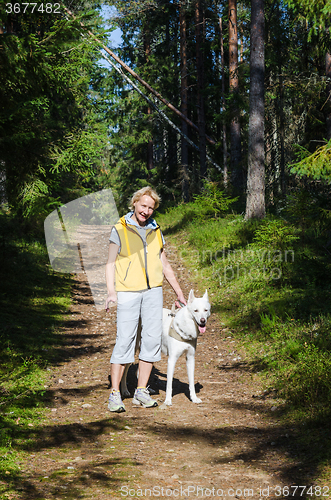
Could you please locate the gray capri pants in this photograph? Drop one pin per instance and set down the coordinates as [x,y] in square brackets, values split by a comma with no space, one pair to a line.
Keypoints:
[130,305]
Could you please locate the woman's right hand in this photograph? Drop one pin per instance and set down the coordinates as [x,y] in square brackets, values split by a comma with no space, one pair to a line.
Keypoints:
[111,298]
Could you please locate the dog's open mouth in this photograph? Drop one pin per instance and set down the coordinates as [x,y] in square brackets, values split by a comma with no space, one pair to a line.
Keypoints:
[202,328]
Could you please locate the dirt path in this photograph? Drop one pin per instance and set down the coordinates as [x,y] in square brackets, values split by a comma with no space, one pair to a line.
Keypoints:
[230,446]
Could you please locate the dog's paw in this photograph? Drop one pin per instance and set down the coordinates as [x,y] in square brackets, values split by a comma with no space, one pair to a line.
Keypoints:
[196,400]
[168,402]
[126,394]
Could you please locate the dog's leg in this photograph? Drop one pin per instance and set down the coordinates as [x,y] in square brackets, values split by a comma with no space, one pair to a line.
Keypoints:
[172,360]
[124,389]
[190,364]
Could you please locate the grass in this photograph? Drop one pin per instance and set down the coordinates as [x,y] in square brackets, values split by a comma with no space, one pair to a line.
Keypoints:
[33,305]
[270,283]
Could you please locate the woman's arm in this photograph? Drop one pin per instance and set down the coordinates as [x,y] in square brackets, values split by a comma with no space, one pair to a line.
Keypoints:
[110,274]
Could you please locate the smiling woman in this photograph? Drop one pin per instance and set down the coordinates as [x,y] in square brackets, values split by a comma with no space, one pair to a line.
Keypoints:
[134,275]
[143,205]
[143,210]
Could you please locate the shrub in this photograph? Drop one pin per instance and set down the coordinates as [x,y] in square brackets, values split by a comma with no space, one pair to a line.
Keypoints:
[308,381]
[213,201]
[275,233]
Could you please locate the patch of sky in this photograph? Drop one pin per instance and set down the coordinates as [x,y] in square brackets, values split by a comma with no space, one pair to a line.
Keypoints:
[115,36]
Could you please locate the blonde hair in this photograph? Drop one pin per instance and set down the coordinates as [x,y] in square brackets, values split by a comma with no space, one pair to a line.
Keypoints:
[146,191]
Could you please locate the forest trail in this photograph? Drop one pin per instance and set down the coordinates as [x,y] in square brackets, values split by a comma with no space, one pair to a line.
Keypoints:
[230,446]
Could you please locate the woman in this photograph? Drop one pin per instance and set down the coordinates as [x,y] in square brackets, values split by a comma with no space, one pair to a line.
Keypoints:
[134,274]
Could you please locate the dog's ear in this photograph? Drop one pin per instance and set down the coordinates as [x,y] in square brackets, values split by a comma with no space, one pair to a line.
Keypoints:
[206,295]
[191,296]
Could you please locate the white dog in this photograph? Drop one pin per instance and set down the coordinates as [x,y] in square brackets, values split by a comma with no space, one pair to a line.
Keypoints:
[180,333]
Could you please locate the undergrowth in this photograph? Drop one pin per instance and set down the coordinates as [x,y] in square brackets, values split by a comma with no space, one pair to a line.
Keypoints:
[270,282]
[33,303]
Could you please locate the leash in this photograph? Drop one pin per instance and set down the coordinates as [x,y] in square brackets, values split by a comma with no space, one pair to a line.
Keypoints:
[173,312]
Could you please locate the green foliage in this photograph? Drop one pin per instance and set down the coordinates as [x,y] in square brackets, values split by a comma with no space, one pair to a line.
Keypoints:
[296,88]
[270,282]
[52,137]
[212,200]
[299,356]
[316,165]
[276,234]
[150,33]
[33,300]
[317,12]
[32,193]
[310,379]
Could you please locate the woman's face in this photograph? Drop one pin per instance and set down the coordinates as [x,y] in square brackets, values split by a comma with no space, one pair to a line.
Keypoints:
[143,209]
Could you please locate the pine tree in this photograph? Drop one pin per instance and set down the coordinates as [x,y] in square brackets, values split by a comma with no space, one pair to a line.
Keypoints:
[51,138]
[199,29]
[235,132]
[255,203]
[184,98]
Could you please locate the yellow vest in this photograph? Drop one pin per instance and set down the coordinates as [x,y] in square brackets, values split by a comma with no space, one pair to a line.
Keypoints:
[138,265]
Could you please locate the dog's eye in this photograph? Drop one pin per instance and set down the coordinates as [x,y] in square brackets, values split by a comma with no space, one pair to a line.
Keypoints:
[206,310]
[195,310]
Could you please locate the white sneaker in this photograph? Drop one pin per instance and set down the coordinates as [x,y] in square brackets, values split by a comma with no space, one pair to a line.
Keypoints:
[142,397]
[115,402]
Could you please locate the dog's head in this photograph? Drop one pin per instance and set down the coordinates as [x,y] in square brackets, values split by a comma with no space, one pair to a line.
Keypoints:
[199,309]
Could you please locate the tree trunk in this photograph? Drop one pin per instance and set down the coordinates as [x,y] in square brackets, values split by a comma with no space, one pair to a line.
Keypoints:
[150,147]
[150,150]
[173,137]
[328,92]
[183,97]
[255,202]
[235,132]
[282,134]
[225,152]
[241,44]
[1,33]
[200,85]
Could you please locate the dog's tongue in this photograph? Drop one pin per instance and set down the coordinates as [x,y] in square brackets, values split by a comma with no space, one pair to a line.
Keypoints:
[202,329]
